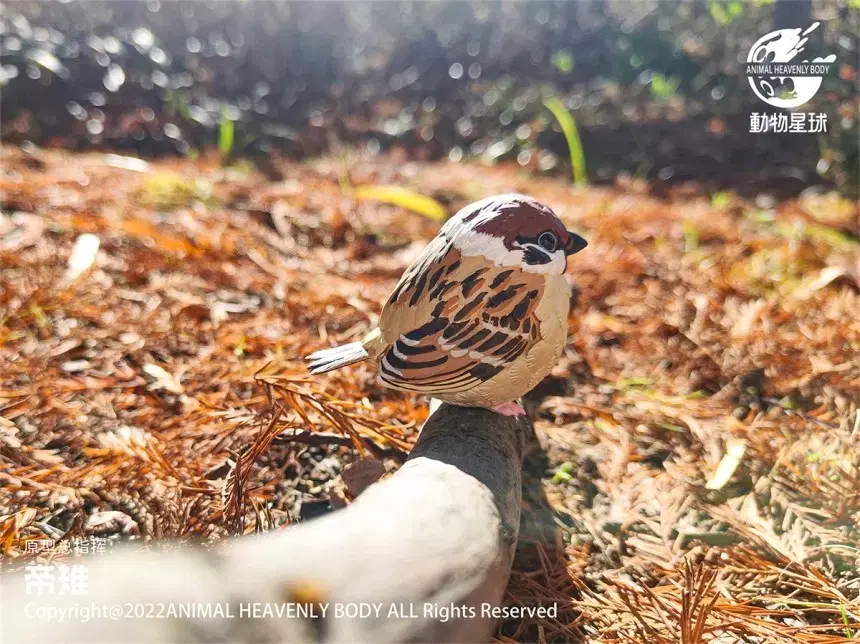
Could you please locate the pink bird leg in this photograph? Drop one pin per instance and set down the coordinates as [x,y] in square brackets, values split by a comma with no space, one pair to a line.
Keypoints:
[509,409]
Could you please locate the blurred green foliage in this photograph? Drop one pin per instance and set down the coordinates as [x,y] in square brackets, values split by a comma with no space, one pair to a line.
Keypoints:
[657,87]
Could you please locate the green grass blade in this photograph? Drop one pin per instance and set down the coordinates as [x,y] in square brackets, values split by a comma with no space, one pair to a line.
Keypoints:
[848,633]
[571,135]
[226,133]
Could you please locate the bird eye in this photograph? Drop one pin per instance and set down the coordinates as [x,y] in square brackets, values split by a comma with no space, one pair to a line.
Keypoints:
[548,241]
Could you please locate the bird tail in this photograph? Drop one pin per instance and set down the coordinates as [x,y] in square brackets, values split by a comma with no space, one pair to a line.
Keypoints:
[336,357]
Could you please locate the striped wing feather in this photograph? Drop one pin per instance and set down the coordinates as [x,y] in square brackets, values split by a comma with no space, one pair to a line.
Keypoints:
[454,322]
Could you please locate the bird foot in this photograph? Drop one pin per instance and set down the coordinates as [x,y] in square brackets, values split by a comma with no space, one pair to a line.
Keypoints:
[509,409]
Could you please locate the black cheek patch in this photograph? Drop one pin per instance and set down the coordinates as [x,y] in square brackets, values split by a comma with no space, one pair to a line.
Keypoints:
[532,255]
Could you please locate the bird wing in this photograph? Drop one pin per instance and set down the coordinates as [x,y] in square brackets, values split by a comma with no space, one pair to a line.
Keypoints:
[454,322]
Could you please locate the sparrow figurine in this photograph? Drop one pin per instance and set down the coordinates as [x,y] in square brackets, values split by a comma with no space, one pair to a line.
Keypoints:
[480,317]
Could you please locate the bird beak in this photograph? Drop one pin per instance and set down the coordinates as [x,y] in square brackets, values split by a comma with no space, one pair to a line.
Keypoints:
[575,243]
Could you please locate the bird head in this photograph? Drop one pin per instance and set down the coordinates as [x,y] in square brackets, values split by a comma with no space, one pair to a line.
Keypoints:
[514,230]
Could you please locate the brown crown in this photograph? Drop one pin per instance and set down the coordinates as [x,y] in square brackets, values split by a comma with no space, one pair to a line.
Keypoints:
[513,216]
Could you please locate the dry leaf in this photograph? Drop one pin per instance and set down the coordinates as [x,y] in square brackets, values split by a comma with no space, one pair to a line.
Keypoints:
[162,379]
[735,450]
[82,257]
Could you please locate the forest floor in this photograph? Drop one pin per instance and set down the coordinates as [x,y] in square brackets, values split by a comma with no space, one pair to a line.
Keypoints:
[698,477]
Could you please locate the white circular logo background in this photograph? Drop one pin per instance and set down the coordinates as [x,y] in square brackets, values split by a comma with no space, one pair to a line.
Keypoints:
[781,46]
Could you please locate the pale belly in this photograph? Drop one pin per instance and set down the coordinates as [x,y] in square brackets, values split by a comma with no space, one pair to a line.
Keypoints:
[522,375]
